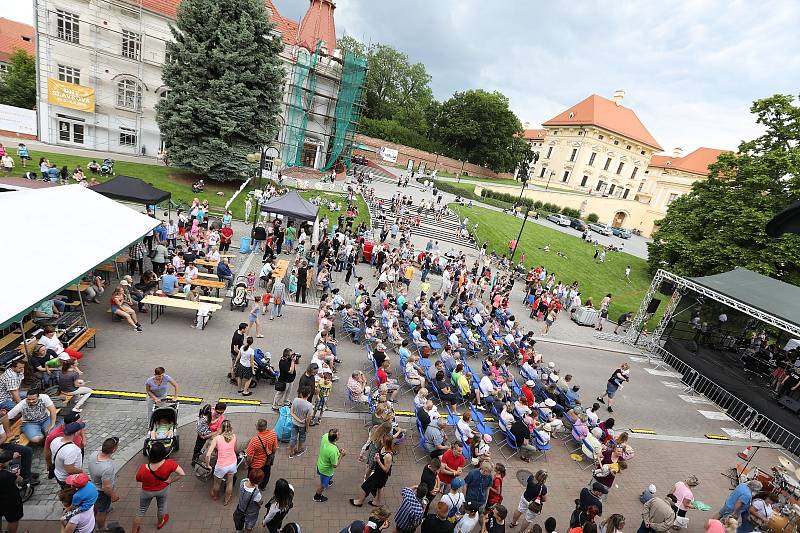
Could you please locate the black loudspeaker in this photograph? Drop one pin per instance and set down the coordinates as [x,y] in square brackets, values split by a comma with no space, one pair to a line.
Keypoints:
[652,307]
[667,288]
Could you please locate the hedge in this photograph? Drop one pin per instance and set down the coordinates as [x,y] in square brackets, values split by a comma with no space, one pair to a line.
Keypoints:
[592,217]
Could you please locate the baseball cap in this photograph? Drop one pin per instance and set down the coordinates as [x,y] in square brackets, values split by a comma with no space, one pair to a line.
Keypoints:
[551,364]
[457,483]
[77,480]
[73,427]
[651,489]
[357,526]
[471,507]
[599,487]
[71,417]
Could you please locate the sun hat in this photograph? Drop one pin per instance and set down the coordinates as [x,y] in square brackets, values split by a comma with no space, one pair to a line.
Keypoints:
[529,383]
[551,364]
[547,427]
[550,402]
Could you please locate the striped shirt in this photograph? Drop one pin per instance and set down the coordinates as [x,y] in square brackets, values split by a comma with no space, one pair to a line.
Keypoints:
[410,514]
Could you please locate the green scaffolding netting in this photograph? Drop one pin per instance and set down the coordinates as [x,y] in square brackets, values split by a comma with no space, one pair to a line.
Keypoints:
[354,72]
[300,102]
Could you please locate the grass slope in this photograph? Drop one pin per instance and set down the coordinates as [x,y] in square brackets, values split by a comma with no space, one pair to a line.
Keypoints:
[596,279]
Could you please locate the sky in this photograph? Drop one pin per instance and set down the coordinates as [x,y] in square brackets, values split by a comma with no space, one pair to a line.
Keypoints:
[690,69]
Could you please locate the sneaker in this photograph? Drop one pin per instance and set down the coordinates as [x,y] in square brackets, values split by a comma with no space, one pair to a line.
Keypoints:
[480,408]
[301,452]
[320,498]
[139,329]
[610,409]
[600,400]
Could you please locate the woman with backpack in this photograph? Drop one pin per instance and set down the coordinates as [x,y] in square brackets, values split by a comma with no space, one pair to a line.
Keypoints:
[278,506]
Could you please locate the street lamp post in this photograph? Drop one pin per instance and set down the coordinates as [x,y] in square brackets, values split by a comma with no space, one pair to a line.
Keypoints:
[261,167]
[552,173]
[460,172]
[514,251]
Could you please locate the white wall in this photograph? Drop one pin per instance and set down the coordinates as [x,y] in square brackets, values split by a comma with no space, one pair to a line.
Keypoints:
[17,120]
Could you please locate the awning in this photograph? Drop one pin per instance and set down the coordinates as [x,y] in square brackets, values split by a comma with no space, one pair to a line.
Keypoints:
[291,205]
[53,236]
[766,294]
[787,221]
[132,190]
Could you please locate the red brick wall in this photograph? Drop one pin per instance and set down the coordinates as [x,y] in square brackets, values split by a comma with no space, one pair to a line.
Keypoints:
[431,160]
[5,133]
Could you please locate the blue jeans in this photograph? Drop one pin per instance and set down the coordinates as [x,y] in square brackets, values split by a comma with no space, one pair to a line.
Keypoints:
[277,309]
[59,305]
[35,429]
[425,275]
[298,436]
[10,403]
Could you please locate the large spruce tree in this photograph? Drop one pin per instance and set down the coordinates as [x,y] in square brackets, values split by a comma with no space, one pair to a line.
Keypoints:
[225,80]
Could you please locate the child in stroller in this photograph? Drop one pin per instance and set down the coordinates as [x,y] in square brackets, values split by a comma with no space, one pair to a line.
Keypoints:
[264,369]
[240,296]
[163,428]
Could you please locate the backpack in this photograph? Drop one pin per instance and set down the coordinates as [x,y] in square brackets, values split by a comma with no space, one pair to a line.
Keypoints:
[283,426]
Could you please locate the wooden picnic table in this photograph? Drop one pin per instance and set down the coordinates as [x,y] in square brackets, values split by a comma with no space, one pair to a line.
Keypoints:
[227,255]
[158,304]
[208,283]
[206,263]
[280,268]
[207,275]
[75,287]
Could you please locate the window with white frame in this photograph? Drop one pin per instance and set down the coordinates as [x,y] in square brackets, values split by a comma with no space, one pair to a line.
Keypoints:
[641,186]
[584,180]
[3,68]
[131,44]
[541,174]
[127,137]
[69,74]
[565,178]
[573,154]
[549,152]
[635,171]
[591,158]
[129,94]
[672,198]
[67,26]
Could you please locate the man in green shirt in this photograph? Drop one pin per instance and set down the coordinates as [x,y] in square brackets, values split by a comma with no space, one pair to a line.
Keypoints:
[291,233]
[328,460]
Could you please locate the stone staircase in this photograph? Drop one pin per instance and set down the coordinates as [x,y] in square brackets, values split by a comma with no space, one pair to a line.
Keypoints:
[444,231]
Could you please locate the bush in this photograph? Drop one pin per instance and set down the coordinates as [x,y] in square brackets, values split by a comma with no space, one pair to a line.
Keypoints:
[571,212]
[537,204]
[592,217]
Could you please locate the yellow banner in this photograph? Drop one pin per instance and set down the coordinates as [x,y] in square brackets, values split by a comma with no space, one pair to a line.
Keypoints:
[70,95]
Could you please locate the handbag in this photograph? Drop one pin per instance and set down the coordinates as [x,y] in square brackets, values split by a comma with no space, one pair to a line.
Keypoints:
[536,505]
[280,386]
[151,254]
[238,514]
[51,470]
[270,457]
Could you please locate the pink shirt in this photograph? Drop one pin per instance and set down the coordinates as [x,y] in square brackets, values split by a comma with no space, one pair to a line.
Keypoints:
[682,492]
[226,451]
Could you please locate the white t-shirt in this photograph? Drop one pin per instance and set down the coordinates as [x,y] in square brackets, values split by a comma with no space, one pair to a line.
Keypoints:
[245,355]
[69,455]
[453,500]
[17,409]
[463,426]
[486,386]
[84,522]
[467,524]
[51,344]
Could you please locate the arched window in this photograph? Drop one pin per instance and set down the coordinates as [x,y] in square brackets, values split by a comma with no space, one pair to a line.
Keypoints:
[129,94]
[163,92]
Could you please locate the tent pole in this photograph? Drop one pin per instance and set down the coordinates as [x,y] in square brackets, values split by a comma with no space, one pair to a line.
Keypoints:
[22,330]
[83,307]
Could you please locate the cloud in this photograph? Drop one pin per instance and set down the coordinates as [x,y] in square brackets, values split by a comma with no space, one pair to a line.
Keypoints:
[690,69]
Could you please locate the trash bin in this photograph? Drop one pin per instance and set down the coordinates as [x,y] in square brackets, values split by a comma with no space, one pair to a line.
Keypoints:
[369,246]
[244,246]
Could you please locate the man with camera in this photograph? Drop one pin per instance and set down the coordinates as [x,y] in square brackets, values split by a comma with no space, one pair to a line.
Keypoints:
[286,376]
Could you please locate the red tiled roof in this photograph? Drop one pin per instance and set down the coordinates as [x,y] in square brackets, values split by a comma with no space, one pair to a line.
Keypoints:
[696,162]
[534,135]
[604,113]
[11,37]
[169,9]
[317,25]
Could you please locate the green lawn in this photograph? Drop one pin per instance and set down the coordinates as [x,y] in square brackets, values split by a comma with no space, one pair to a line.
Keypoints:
[363,212]
[176,181]
[596,279]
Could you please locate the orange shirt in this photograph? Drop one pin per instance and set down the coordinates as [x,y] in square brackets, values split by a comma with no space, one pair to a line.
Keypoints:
[256,452]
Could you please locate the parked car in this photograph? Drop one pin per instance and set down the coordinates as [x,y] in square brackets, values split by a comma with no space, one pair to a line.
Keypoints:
[561,220]
[622,233]
[577,224]
[602,229]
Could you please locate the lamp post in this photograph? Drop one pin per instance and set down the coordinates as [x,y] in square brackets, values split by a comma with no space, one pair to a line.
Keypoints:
[437,160]
[265,150]
[552,173]
[514,251]
[460,172]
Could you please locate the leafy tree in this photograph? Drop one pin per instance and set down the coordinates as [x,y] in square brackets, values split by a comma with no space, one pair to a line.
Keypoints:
[394,131]
[721,223]
[478,126]
[225,78]
[18,85]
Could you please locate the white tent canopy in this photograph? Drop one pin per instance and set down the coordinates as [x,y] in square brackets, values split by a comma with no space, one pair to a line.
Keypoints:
[53,236]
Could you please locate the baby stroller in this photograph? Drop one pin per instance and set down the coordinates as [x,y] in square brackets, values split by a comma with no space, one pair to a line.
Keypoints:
[264,369]
[107,168]
[167,411]
[240,298]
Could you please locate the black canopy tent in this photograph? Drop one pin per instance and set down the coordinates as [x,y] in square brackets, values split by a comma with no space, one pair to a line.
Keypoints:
[787,221]
[292,205]
[132,190]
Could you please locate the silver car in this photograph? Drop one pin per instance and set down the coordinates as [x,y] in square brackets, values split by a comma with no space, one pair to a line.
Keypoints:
[561,220]
[602,229]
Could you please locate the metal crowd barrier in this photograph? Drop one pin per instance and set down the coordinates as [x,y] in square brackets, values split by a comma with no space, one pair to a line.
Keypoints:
[748,417]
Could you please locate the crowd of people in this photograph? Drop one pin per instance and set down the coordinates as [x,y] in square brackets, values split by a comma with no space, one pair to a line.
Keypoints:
[456,347]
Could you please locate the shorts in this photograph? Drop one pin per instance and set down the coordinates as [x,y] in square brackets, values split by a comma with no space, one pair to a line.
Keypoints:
[298,435]
[103,503]
[244,372]
[221,471]
[611,389]
[324,480]
[12,513]
[530,516]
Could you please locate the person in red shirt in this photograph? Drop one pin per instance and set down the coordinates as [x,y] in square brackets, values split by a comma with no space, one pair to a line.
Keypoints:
[225,237]
[383,379]
[496,488]
[527,391]
[452,464]
[156,476]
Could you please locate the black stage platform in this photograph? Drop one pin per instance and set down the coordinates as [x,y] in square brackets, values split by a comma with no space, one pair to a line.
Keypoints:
[724,368]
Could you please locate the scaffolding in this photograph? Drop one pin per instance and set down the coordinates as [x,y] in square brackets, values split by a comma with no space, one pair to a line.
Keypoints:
[301,103]
[348,108]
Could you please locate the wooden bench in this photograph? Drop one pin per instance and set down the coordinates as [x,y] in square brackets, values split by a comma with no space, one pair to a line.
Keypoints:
[16,435]
[281,267]
[158,303]
[106,270]
[84,339]
[212,299]
[205,282]
[9,339]
[207,275]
